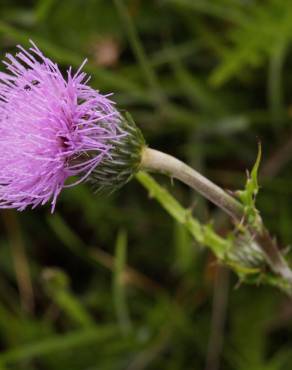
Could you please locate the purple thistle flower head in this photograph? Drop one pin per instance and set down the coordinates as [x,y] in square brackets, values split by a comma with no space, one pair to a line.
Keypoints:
[54,127]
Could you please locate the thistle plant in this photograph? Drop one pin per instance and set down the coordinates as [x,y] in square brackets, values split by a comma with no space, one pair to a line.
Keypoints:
[56,132]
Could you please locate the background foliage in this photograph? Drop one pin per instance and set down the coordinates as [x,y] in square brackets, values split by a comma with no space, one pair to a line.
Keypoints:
[114,283]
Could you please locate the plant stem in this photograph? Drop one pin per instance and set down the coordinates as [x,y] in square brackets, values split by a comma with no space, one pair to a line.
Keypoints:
[156,161]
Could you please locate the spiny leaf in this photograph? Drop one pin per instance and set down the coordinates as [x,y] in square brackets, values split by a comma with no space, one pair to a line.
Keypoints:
[248,195]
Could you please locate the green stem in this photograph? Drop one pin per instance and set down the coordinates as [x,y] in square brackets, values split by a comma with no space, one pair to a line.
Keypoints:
[202,234]
[155,161]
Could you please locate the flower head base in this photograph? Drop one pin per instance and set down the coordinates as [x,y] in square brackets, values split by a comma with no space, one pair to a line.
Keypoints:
[53,128]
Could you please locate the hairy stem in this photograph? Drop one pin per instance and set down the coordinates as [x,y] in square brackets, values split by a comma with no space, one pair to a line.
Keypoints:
[156,161]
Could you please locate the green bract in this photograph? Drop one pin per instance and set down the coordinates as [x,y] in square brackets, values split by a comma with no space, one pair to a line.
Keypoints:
[124,160]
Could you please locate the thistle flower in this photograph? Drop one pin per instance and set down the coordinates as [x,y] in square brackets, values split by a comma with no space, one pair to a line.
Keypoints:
[53,128]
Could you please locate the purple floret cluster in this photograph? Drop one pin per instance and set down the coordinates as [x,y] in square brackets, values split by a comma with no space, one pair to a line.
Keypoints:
[51,128]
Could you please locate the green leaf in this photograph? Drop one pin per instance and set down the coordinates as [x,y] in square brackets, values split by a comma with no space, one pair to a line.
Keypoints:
[249,194]
[57,286]
[255,39]
[59,343]
[119,291]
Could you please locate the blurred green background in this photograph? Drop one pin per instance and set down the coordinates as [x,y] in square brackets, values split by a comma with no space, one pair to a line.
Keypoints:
[110,283]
